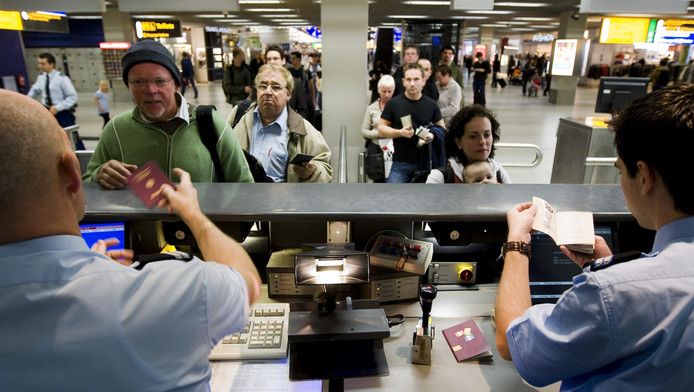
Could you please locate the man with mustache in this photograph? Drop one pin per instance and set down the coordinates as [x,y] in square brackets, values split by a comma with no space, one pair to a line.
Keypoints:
[162,127]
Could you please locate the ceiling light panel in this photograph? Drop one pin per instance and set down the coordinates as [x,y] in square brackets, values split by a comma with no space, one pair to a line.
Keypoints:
[425,2]
[490,12]
[268,9]
[261,1]
[519,5]
[533,19]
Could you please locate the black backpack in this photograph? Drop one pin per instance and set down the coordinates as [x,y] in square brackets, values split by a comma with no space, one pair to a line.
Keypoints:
[203,114]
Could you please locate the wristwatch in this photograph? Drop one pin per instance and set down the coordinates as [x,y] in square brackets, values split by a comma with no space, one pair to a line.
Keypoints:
[517,246]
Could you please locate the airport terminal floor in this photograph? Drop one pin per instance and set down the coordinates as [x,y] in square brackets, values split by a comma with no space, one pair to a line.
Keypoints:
[523,120]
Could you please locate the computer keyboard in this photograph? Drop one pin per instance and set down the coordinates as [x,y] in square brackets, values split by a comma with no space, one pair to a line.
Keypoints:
[265,335]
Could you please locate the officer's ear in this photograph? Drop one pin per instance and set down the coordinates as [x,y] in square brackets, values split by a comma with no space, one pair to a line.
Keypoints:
[647,175]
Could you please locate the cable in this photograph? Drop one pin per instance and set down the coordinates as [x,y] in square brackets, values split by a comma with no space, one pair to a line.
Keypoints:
[395,319]
[369,243]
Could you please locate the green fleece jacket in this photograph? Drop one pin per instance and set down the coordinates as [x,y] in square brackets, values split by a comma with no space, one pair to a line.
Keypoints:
[127,138]
[303,139]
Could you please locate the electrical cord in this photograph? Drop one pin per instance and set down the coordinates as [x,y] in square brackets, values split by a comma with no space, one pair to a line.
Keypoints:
[395,319]
[369,243]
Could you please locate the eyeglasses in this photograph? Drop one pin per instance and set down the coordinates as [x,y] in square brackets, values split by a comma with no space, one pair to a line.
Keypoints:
[275,87]
[140,83]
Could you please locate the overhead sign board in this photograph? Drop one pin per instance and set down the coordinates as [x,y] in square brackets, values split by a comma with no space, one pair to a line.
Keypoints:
[674,32]
[51,22]
[624,30]
[153,28]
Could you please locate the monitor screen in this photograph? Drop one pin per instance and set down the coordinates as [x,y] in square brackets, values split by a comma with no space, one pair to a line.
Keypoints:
[551,273]
[93,232]
[617,92]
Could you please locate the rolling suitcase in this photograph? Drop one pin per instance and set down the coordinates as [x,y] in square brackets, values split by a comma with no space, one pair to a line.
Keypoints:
[502,82]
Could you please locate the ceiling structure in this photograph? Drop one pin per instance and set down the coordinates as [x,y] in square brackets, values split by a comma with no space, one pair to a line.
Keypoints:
[507,17]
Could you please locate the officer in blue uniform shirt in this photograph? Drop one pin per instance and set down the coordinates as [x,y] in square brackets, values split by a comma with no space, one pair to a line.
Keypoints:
[74,319]
[627,323]
[56,91]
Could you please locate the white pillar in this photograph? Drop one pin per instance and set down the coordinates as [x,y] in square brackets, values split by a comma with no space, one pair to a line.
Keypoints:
[563,91]
[345,78]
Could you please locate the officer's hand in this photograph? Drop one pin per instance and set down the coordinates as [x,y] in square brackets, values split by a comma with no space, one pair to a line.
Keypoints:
[581,259]
[305,170]
[121,256]
[520,222]
[53,110]
[182,201]
[113,174]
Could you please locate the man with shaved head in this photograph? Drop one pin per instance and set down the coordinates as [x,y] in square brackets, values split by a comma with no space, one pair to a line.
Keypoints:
[73,318]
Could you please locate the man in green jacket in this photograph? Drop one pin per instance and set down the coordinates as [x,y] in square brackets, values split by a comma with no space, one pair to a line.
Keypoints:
[275,134]
[162,127]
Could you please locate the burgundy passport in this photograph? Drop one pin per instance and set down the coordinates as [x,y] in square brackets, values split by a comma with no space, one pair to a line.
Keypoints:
[146,180]
[467,342]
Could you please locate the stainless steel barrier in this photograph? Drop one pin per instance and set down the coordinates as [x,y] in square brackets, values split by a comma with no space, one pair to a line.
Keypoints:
[528,146]
[84,156]
[596,162]
[342,157]
[73,134]
[361,167]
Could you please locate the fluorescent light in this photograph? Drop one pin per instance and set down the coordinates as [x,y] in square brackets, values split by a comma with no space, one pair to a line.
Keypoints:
[533,19]
[554,23]
[425,2]
[493,25]
[233,20]
[407,16]
[268,9]
[288,20]
[469,17]
[211,16]
[152,16]
[280,16]
[690,8]
[260,1]
[521,29]
[490,12]
[515,22]
[542,27]
[85,17]
[517,4]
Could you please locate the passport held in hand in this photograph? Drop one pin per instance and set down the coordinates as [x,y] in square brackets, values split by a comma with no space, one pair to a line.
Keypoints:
[146,180]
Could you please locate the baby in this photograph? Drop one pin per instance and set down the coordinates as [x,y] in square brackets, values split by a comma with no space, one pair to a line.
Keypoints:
[479,172]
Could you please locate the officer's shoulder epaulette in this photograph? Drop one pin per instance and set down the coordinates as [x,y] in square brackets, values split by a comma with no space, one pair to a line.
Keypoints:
[608,261]
[143,260]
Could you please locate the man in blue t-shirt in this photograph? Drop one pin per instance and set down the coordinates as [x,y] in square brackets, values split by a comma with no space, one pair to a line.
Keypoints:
[416,110]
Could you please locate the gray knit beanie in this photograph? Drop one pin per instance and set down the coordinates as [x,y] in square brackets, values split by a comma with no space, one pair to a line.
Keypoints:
[149,51]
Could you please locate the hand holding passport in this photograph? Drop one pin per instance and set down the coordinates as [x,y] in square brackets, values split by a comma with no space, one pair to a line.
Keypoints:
[146,182]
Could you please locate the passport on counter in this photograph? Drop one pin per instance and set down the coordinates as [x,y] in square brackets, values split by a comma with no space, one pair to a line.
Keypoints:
[146,180]
[467,342]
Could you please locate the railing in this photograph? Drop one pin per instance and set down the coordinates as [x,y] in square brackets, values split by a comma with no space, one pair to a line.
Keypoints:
[527,146]
[596,162]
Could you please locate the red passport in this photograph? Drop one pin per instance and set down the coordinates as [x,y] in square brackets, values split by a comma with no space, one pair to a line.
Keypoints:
[146,180]
[467,342]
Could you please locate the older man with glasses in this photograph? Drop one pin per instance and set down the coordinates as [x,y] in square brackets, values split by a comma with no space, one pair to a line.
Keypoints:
[162,127]
[275,134]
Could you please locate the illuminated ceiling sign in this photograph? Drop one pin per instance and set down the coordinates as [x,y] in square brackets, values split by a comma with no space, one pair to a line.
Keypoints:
[152,28]
[543,37]
[624,30]
[10,20]
[217,29]
[52,22]
[674,32]
[114,45]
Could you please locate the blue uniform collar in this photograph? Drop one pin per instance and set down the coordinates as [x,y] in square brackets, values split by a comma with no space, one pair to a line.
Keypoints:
[672,232]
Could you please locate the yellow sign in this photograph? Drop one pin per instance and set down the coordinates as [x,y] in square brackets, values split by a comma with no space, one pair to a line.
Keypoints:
[678,24]
[10,20]
[157,28]
[624,30]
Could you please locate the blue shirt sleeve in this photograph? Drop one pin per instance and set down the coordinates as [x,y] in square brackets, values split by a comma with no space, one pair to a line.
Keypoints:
[549,343]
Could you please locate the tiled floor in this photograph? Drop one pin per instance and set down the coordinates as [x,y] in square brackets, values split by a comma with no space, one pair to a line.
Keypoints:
[523,120]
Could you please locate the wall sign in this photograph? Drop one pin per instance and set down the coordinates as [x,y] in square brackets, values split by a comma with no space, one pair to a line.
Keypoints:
[152,28]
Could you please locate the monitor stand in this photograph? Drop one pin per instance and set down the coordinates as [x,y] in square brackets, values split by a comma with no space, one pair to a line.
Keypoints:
[342,344]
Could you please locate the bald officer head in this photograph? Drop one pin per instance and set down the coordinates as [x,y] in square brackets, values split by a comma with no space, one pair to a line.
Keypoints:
[39,173]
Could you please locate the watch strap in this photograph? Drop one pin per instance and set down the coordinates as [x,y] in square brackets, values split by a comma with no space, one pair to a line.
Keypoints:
[517,246]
